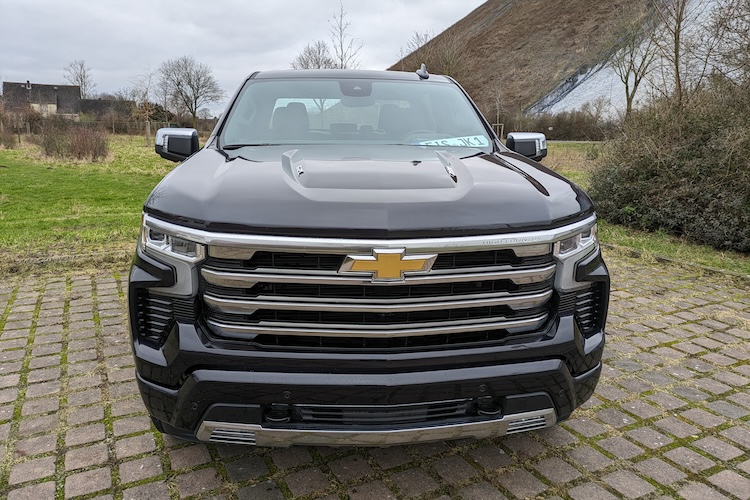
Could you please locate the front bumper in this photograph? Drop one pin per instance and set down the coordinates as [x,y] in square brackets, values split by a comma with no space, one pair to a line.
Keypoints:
[222,399]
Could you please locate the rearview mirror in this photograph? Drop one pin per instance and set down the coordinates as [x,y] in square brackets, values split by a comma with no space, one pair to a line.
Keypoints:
[530,144]
[176,144]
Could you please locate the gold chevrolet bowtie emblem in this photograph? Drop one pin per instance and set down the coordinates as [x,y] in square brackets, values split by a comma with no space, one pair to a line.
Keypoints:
[388,264]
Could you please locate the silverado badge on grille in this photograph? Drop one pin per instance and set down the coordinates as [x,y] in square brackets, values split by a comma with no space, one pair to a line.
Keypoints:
[388,264]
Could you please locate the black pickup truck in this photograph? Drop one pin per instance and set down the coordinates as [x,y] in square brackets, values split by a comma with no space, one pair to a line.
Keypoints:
[354,258]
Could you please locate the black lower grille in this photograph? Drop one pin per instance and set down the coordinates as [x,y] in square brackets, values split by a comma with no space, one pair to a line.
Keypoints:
[588,309]
[155,317]
[384,415]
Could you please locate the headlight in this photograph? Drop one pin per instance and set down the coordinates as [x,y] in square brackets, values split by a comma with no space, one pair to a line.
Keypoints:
[586,239]
[569,251]
[155,240]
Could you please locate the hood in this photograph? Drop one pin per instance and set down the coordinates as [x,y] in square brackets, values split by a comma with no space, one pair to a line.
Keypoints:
[365,191]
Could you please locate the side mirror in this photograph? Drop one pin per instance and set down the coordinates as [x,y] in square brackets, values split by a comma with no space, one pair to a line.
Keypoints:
[176,144]
[530,144]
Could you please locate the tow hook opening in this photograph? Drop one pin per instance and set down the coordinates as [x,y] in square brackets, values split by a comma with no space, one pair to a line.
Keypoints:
[278,414]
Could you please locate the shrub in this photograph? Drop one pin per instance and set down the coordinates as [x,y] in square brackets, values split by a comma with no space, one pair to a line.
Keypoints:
[53,137]
[63,139]
[88,143]
[683,170]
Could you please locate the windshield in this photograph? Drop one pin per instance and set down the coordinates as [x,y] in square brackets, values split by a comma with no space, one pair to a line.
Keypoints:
[351,111]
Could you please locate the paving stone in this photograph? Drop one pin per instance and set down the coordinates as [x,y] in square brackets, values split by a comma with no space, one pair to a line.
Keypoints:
[480,491]
[454,469]
[85,415]
[387,458]
[306,481]
[521,483]
[660,471]
[588,458]
[733,483]
[649,437]
[556,436]
[86,482]
[287,458]
[198,482]
[677,427]
[589,491]
[620,447]
[641,409]
[190,456]
[699,491]
[31,470]
[585,426]
[246,469]
[524,445]
[35,445]
[135,445]
[727,409]
[628,484]
[41,405]
[34,492]
[688,459]
[267,490]
[430,449]
[666,401]
[350,468]
[85,434]
[718,448]
[149,490]
[36,425]
[140,469]
[615,418]
[490,457]
[557,470]
[89,455]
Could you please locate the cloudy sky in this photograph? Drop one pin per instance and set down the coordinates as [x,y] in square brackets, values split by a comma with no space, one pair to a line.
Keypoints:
[121,39]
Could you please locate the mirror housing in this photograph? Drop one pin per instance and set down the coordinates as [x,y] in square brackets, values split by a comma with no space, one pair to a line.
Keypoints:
[530,144]
[176,144]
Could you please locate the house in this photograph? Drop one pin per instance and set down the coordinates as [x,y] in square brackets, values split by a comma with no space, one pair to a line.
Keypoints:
[42,98]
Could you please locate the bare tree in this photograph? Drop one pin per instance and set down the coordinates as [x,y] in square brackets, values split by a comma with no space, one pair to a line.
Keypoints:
[190,84]
[143,107]
[77,73]
[314,56]
[733,20]
[345,47]
[687,49]
[417,45]
[636,51]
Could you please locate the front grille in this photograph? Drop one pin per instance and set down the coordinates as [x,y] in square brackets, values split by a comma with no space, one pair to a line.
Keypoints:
[300,300]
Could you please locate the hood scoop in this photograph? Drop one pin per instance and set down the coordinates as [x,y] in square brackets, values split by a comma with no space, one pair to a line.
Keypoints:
[442,171]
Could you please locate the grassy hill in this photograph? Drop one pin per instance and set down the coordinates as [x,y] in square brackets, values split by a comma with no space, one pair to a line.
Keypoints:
[518,51]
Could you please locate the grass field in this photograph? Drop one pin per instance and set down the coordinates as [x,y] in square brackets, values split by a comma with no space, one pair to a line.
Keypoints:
[58,216]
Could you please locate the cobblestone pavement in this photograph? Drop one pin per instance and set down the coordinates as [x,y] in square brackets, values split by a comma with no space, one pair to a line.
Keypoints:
[670,418]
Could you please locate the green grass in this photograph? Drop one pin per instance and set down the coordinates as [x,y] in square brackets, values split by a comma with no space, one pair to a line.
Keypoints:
[576,160]
[57,215]
[61,211]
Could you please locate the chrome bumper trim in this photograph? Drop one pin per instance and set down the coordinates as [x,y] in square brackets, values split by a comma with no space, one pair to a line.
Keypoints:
[235,433]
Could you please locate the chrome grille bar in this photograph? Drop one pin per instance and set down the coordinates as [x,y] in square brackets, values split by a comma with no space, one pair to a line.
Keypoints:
[248,331]
[249,306]
[234,279]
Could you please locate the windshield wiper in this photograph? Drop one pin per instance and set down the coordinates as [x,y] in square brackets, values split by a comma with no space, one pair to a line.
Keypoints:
[230,147]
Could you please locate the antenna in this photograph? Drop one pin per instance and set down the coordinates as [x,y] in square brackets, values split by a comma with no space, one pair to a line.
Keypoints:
[422,72]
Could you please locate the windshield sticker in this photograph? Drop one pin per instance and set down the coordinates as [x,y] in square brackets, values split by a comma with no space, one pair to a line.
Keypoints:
[470,141]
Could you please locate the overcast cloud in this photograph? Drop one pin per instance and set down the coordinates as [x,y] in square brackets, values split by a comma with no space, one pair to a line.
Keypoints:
[121,39]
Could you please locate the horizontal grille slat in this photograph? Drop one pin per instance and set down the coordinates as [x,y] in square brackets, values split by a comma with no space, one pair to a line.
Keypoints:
[382,415]
[287,299]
